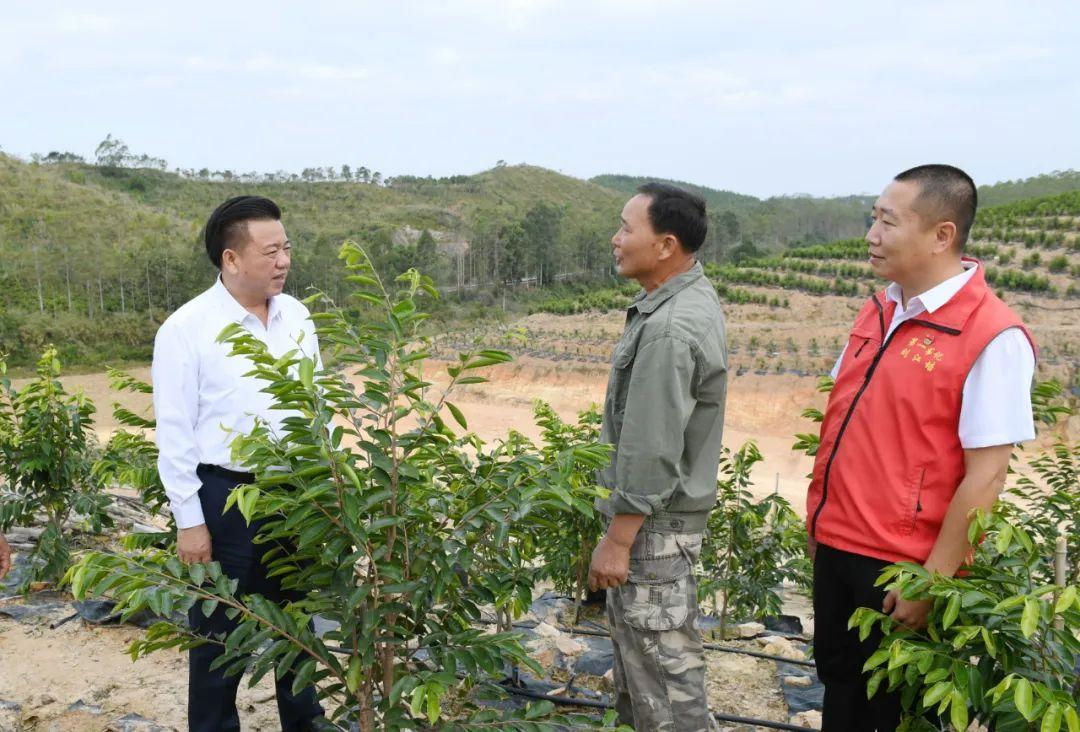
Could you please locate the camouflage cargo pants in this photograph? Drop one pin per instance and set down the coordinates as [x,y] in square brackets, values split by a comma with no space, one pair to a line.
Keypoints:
[659,659]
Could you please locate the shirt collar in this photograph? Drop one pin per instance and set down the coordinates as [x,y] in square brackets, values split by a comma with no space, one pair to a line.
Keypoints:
[938,295]
[237,312]
[648,302]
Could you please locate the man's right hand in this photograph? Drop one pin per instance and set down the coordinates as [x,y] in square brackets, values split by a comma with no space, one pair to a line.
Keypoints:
[193,545]
[811,547]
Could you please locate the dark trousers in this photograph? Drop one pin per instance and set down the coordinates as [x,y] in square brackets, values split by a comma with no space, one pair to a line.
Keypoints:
[212,694]
[844,582]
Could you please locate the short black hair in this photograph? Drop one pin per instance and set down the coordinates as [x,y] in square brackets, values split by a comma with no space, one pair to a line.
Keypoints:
[946,193]
[673,210]
[229,222]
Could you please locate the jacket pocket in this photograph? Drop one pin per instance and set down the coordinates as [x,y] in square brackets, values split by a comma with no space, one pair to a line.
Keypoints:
[912,501]
[621,366]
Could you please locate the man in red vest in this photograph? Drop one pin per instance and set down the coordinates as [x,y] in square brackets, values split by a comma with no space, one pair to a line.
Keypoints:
[932,391]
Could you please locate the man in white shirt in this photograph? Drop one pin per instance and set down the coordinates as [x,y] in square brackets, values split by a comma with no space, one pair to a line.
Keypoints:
[932,391]
[201,400]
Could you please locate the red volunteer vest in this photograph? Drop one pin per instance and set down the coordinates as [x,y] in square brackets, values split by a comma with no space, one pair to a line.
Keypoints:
[890,457]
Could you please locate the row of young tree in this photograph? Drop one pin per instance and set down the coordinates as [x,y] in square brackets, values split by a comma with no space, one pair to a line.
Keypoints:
[407,532]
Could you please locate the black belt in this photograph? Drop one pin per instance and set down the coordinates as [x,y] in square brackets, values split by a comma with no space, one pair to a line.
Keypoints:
[234,475]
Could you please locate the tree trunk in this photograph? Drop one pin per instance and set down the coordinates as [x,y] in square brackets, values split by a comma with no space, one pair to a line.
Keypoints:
[149,302]
[367,707]
[40,291]
[123,305]
[727,573]
[579,587]
[101,294]
[67,277]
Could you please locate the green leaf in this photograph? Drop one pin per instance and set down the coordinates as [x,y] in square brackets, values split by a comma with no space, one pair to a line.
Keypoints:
[877,658]
[936,693]
[416,705]
[1072,718]
[958,711]
[1051,721]
[1004,538]
[1029,619]
[1022,698]
[458,416]
[1066,599]
[988,640]
[433,706]
[952,610]
[354,674]
[875,682]
[306,372]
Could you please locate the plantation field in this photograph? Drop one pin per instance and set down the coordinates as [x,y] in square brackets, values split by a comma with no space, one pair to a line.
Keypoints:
[788,316]
[776,356]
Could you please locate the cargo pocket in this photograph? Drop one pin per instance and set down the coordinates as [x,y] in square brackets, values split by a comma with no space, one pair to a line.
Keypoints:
[660,592]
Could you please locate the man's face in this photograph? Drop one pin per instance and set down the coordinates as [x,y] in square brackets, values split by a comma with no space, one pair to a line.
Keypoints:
[261,264]
[901,240]
[636,246]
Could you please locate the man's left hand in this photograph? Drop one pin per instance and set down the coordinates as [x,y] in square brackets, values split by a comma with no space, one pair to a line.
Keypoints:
[5,556]
[910,613]
[610,564]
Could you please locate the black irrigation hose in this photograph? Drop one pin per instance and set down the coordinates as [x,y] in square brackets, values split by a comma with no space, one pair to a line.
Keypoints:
[707,646]
[718,716]
[593,704]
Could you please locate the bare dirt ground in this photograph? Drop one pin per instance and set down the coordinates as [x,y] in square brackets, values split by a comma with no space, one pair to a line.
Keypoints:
[48,670]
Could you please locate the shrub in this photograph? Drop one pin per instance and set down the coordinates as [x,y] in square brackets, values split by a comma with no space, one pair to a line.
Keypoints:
[570,536]
[1001,645]
[401,530]
[46,453]
[750,547]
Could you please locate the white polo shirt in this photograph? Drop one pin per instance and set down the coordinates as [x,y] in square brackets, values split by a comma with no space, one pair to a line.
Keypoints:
[202,398]
[996,404]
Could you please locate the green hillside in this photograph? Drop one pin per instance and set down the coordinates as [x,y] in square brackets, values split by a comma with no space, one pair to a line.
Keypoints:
[94,257]
[1039,186]
[771,223]
[716,200]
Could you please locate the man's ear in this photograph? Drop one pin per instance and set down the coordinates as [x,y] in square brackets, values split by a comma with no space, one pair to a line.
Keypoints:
[945,237]
[669,246]
[228,261]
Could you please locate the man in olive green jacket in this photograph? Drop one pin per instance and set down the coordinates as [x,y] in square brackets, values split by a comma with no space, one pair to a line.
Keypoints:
[664,415]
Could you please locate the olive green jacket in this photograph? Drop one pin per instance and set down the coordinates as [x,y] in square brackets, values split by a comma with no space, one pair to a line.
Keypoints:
[664,407]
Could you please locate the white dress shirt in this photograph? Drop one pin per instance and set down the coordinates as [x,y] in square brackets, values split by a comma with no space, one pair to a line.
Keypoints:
[202,398]
[996,404]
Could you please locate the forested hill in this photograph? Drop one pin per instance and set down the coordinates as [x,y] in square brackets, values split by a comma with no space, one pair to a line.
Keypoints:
[781,221]
[94,256]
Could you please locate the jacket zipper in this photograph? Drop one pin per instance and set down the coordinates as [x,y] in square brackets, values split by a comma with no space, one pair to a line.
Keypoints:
[847,418]
[851,410]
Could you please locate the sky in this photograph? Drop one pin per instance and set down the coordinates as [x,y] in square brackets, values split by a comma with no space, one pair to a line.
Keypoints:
[765,98]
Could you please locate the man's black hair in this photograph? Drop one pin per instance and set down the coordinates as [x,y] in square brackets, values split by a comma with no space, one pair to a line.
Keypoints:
[946,193]
[227,226]
[675,211]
